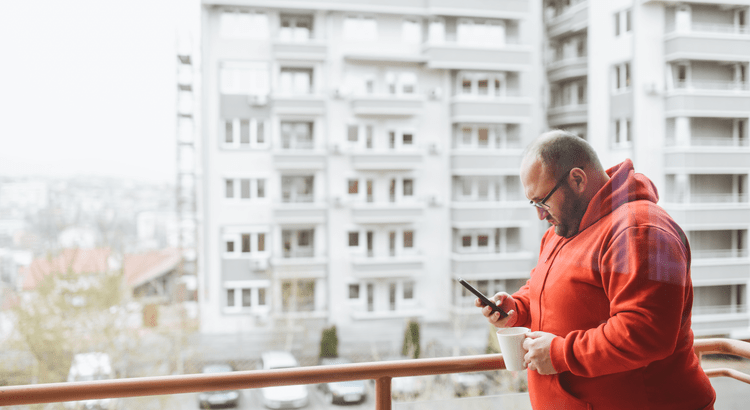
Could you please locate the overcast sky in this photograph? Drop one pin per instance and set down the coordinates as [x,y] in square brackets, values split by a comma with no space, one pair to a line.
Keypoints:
[87,87]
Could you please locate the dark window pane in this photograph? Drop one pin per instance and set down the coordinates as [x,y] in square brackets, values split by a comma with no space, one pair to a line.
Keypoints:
[230,297]
[246,297]
[261,242]
[353,291]
[230,246]
[353,238]
[245,243]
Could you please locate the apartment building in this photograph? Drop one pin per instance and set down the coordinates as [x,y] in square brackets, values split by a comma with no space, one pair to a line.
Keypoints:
[665,84]
[359,156]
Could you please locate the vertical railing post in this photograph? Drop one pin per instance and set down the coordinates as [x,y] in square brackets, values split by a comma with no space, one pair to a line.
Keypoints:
[383,393]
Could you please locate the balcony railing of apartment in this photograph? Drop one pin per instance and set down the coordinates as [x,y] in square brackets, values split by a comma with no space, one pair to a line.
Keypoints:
[713,85]
[711,142]
[299,253]
[728,198]
[718,310]
[381,372]
[718,253]
[714,28]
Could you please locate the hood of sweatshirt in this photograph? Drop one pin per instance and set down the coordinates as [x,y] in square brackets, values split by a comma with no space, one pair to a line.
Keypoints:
[624,185]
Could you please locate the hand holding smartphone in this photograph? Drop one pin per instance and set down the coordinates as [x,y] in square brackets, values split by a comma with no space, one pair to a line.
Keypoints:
[485,300]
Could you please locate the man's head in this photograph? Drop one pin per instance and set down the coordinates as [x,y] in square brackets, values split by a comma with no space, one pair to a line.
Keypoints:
[560,173]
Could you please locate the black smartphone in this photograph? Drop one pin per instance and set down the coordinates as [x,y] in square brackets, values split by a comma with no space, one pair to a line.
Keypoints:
[485,300]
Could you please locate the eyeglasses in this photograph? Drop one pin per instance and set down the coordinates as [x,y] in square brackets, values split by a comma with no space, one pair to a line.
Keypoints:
[542,204]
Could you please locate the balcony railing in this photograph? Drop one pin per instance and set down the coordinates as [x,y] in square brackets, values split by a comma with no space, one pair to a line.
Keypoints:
[718,310]
[381,372]
[714,85]
[718,253]
[711,142]
[714,29]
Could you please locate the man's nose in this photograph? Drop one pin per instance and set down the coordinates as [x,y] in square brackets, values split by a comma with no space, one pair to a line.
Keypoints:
[542,213]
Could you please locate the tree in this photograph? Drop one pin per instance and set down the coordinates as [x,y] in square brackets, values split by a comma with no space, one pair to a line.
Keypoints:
[69,313]
[411,340]
[329,343]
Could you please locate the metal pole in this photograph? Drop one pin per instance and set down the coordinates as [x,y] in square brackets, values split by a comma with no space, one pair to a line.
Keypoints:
[383,393]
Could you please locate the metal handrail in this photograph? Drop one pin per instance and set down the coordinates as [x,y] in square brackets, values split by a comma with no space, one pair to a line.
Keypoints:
[723,346]
[381,372]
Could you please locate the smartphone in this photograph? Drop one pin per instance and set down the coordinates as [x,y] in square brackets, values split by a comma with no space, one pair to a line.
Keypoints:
[485,300]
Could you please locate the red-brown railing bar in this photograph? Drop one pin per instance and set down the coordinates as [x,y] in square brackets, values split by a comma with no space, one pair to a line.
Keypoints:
[381,372]
[723,346]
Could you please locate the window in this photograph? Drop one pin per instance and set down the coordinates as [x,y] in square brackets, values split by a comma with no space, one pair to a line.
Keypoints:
[621,77]
[466,241]
[353,238]
[243,24]
[229,188]
[296,28]
[408,139]
[354,291]
[230,246]
[352,133]
[436,31]
[246,187]
[298,295]
[244,133]
[483,84]
[360,28]
[296,135]
[368,136]
[408,290]
[245,243]
[230,297]
[411,32]
[480,32]
[391,139]
[484,137]
[297,188]
[247,297]
[623,134]
[622,22]
[408,187]
[408,239]
[261,242]
[244,77]
[261,296]
[353,186]
[293,80]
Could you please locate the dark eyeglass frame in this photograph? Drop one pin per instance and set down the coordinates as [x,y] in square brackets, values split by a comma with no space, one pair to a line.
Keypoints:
[542,204]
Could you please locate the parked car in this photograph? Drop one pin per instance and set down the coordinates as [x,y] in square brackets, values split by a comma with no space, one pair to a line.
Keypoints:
[408,387]
[87,367]
[469,384]
[222,398]
[282,397]
[354,391]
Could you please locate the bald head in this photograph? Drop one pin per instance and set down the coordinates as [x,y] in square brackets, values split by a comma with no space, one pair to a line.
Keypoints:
[558,151]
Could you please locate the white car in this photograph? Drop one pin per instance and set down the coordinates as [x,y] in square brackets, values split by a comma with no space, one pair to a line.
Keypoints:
[88,367]
[282,397]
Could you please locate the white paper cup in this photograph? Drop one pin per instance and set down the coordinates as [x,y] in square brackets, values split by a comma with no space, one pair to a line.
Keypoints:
[511,346]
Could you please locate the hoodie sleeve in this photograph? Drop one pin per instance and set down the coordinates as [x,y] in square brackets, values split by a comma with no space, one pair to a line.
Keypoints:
[645,275]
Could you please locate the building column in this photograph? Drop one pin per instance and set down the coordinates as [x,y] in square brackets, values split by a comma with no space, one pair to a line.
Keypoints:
[682,131]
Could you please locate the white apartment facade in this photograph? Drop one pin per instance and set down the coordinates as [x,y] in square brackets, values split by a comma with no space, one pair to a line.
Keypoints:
[359,156]
[666,84]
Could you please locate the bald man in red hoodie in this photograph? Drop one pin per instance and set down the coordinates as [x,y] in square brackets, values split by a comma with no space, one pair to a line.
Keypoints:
[609,301]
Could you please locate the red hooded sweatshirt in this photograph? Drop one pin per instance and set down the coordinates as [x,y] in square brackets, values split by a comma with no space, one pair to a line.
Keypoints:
[618,296]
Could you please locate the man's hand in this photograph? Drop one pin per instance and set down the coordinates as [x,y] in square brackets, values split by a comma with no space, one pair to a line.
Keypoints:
[538,357]
[507,303]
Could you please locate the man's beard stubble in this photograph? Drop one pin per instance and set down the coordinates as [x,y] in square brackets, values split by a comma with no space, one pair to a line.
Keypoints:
[571,213]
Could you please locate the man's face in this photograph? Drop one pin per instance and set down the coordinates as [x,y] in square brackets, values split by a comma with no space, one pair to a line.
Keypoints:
[565,208]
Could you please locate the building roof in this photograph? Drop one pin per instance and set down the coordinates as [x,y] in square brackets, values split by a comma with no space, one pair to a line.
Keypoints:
[79,261]
[137,268]
[143,267]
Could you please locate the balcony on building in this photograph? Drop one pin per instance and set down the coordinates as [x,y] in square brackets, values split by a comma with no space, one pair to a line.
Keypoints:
[720,308]
[707,32]
[479,148]
[705,143]
[489,97]
[708,199]
[463,301]
[566,16]
[471,43]
[298,202]
[569,103]
[298,148]
[707,88]
[298,91]
[719,254]
[479,249]
[299,37]
[488,200]
[568,58]
[392,105]
[301,253]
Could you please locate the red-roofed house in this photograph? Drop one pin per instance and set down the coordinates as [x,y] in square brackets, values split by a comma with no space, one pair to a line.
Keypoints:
[78,261]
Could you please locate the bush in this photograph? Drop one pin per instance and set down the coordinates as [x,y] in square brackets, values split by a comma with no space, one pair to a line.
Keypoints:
[329,343]
[411,340]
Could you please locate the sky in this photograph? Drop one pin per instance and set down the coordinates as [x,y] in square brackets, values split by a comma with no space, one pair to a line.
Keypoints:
[89,87]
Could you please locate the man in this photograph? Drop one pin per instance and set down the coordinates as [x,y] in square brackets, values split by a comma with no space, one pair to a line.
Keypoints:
[609,301]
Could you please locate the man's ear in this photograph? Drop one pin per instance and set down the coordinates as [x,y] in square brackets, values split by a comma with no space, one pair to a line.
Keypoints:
[578,180]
